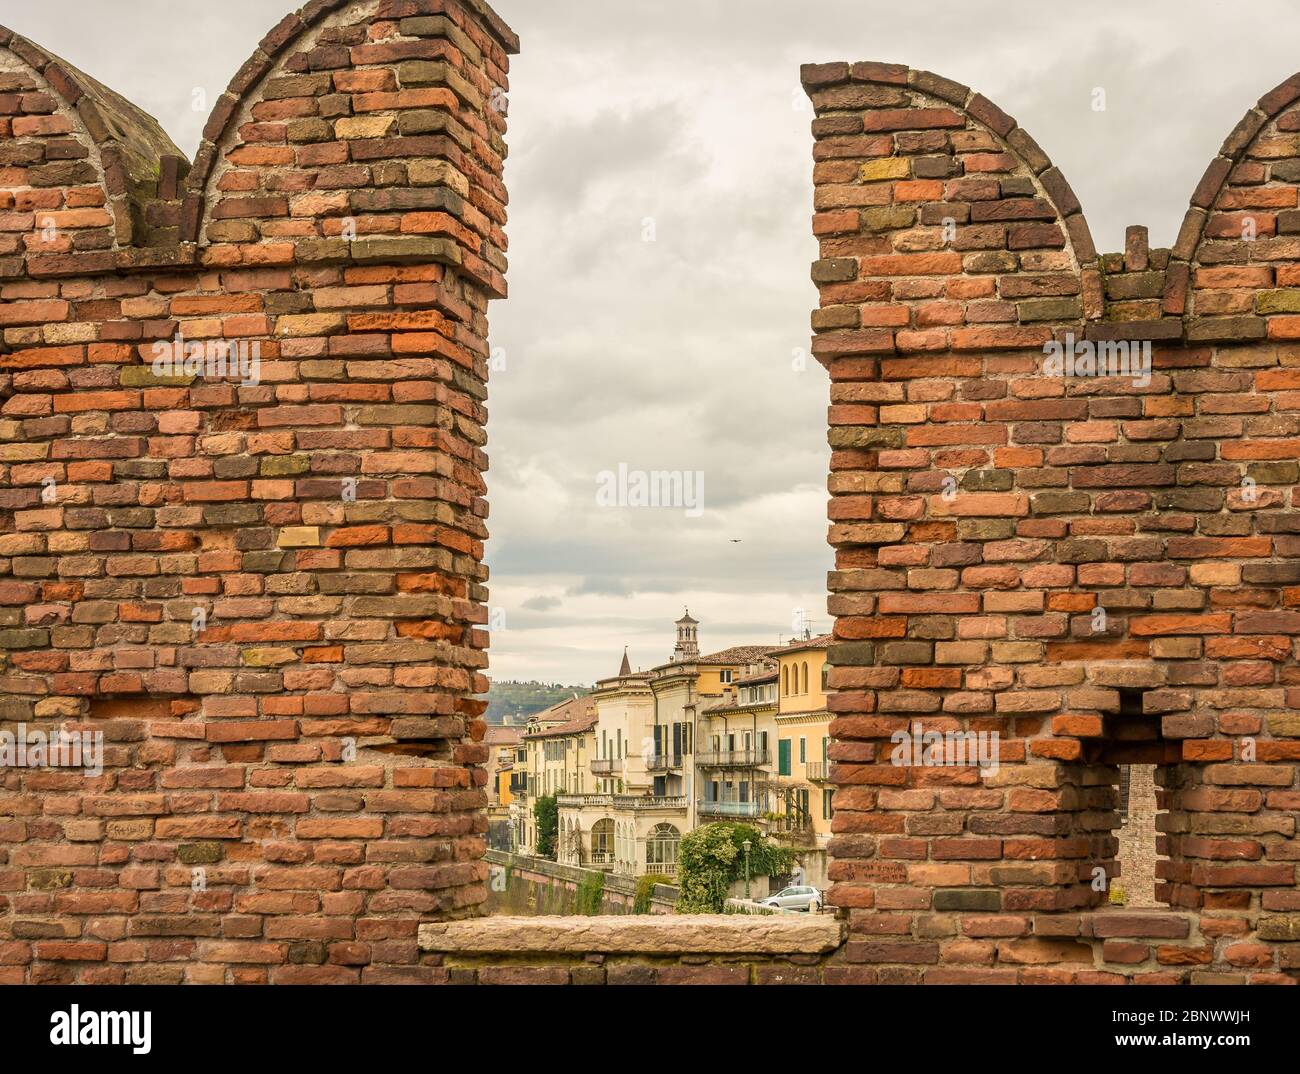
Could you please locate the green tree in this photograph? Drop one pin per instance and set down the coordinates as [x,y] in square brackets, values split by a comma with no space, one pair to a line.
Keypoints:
[712,858]
[547,813]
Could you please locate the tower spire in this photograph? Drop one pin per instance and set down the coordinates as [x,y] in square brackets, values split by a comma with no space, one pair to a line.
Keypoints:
[625,668]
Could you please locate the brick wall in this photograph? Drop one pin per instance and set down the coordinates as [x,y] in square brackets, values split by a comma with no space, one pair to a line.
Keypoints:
[268,596]
[266,592]
[1102,570]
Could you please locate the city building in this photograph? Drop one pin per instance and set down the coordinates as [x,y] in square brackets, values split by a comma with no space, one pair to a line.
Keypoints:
[734,760]
[558,743]
[506,764]
[804,795]
[650,789]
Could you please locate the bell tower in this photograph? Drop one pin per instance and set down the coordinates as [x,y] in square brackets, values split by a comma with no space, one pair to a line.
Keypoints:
[688,644]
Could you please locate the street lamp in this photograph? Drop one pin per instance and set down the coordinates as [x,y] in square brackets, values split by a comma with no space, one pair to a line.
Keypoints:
[745,846]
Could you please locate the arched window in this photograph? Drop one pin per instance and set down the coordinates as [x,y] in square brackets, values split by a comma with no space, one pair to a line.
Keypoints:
[785,681]
[661,850]
[805,678]
[602,842]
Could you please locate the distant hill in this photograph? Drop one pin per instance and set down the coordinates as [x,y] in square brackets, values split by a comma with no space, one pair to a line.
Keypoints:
[521,699]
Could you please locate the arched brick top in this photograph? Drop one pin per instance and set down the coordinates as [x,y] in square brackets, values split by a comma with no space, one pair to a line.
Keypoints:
[361,132]
[91,169]
[929,143]
[1241,235]
[958,232]
[344,53]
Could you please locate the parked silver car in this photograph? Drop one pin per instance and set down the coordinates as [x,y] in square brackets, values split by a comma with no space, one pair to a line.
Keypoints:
[798,897]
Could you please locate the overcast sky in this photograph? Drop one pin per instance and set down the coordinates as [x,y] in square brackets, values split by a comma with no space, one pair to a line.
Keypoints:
[686,121]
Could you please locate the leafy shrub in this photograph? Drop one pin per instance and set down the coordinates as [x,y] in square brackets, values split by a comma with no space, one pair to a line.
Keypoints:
[710,859]
[645,889]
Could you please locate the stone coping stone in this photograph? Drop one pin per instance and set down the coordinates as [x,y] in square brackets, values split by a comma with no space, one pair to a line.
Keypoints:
[666,934]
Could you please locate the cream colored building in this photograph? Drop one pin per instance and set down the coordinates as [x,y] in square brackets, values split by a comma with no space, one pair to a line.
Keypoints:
[805,797]
[645,758]
[558,745]
[737,736]
[740,735]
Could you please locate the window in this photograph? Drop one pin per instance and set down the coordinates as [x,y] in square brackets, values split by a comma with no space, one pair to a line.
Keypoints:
[725,675]
[803,751]
[785,681]
[783,757]
[826,670]
[602,841]
[661,850]
[828,810]
[805,678]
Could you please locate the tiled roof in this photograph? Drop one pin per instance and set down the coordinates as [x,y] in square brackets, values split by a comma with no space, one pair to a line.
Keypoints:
[570,717]
[737,654]
[564,711]
[573,727]
[733,705]
[822,641]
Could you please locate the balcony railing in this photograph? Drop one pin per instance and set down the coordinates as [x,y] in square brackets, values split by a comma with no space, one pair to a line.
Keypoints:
[661,762]
[622,801]
[606,766]
[580,801]
[651,801]
[818,771]
[728,809]
[734,758]
[602,857]
[660,868]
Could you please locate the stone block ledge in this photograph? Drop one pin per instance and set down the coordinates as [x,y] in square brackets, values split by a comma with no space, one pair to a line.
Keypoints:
[643,935]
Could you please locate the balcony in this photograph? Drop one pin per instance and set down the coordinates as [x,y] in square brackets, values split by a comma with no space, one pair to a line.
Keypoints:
[662,762]
[651,801]
[602,859]
[583,801]
[606,766]
[818,771]
[622,801]
[709,808]
[733,758]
